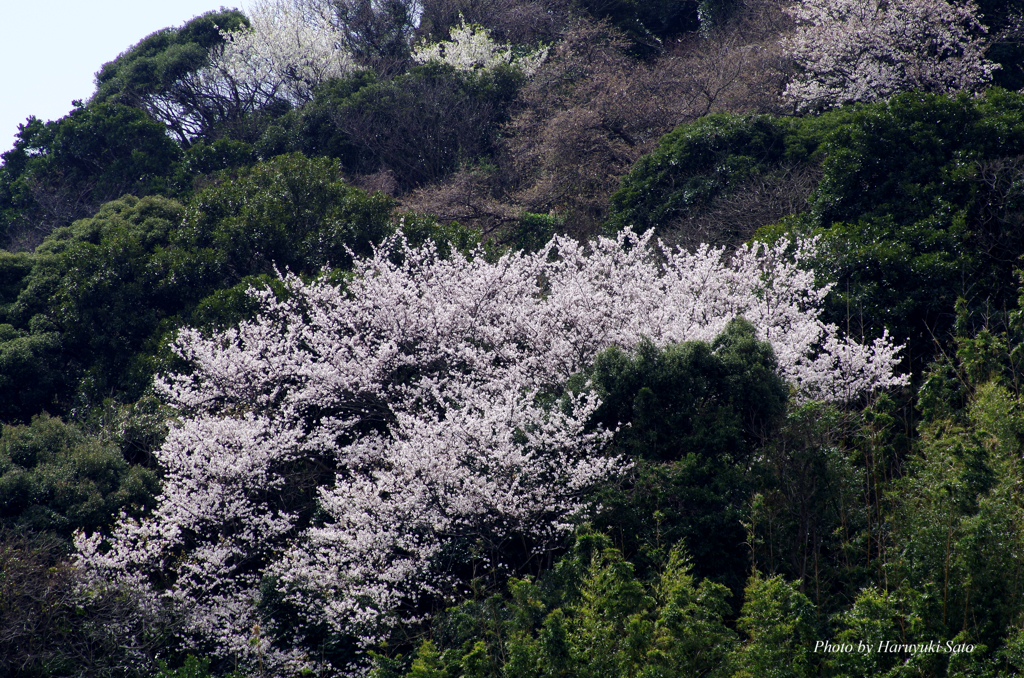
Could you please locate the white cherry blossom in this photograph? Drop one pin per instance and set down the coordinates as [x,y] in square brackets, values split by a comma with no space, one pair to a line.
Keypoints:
[421,407]
[472,48]
[285,52]
[864,50]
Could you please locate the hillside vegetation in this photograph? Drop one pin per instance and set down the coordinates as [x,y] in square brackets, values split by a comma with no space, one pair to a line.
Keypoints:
[522,338]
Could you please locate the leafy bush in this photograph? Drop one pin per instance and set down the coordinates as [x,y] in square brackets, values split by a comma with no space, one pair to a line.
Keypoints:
[316,130]
[646,23]
[32,370]
[61,171]
[691,416]
[418,127]
[696,163]
[54,478]
[423,124]
[95,287]
[919,206]
[201,159]
[779,623]
[288,213]
[589,615]
[161,75]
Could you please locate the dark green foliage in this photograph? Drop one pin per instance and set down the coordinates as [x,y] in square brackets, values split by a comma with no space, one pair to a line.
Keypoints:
[719,400]
[30,361]
[691,417]
[32,371]
[289,213]
[191,667]
[807,513]
[54,478]
[422,125]
[14,270]
[714,14]
[130,152]
[779,624]
[61,171]
[317,129]
[419,126]
[1001,17]
[157,61]
[697,162]
[893,158]
[961,521]
[201,159]
[138,429]
[590,616]
[645,24]
[228,307]
[449,238]
[533,231]
[919,199]
[907,540]
[159,75]
[102,290]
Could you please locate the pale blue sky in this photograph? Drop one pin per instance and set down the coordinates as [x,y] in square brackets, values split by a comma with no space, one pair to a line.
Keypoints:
[50,50]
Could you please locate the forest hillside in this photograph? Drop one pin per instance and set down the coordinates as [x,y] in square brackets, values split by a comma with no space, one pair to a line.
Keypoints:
[522,339]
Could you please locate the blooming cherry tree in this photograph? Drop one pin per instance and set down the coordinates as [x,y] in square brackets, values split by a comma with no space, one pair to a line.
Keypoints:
[285,52]
[471,48]
[865,50]
[420,409]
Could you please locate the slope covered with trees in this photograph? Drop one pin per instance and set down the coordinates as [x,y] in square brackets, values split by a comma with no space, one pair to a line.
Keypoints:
[521,338]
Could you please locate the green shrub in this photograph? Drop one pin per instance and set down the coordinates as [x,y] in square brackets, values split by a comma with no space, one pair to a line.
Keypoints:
[54,478]
[589,616]
[691,417]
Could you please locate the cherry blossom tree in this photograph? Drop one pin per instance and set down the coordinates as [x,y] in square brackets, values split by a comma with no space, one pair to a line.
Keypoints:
[472,48]
[286,51]
[357,444]
[866,50]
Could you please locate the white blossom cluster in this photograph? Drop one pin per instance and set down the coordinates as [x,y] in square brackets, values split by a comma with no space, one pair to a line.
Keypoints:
[285,52]
[431,391]
[471,48]
[865,50]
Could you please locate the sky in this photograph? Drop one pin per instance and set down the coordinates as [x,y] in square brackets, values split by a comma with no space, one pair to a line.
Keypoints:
[50,50]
